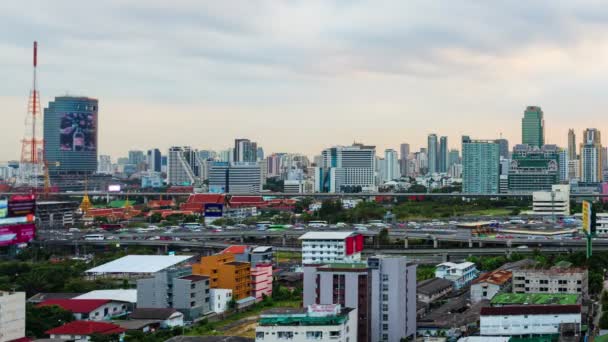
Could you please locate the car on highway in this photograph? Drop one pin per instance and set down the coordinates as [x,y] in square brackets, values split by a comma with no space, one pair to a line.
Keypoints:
[74,230]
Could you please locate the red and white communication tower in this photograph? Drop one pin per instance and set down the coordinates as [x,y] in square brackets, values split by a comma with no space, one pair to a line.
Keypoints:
[32,145]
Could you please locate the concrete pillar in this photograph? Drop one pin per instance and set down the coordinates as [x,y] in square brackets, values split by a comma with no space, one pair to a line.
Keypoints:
[435,242]
[145,199]
[470,243]
[376,242]
[166,248]
[284,240]
[444,257]
[509,243]
[405,242]
[480,244]
[242,238]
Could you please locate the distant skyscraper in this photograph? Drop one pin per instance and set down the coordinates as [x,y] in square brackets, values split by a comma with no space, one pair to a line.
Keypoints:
[571,145]
[480,166]
[154,160]
[590,157]
[260,153]
[70,135]
[242,177]
[346,169]
[442,162]
[432,154]
[105,165]
[245,150]
[404,150]
[182,166]
[533,168]
[503,145]
[533,127]
[136,157]
[391,165]
[453,157]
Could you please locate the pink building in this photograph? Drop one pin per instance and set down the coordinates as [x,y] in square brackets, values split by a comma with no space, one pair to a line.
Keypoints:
[604,191]
[261,281]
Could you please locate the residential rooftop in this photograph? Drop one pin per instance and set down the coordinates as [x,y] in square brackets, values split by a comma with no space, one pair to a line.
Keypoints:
[302,317]
[326,235]
[347,265]
[535,299]
[495,277]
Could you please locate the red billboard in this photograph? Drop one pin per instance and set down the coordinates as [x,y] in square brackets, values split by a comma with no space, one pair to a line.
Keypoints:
[354,244]
[13,235]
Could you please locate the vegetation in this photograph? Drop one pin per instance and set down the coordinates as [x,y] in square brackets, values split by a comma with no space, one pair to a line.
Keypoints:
[424,272]
[39,320]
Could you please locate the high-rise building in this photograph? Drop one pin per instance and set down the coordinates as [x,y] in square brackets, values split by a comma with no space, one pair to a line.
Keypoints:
[533,127]
[383,291]
[70,136]
[105,165]
[346,169]
[433,157]
[533,168]
[442,163]
[260,153]
[154,160]
[404,150]
[503,146]
[136,157]
[480,166]
[453,157]
[391,165]
[182,166]
[590,156]
[571,145]
[245,150]
[235,177]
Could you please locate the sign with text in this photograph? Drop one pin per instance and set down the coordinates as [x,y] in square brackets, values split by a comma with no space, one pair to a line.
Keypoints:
[3,208]
[17,234]
[214,210]
[21,205]
[587,217]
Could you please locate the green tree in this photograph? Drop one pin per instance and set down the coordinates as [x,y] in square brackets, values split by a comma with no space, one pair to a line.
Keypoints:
[156,217]
[383,237]
[40,319]
[104,338]
[604,321]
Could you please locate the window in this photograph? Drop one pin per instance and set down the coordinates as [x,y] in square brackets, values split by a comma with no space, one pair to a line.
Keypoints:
[385,297]
[259,335]
[192,304]
[285,335]
[334,334]
[385,317]
[384,326]
[314,335]
[385,277]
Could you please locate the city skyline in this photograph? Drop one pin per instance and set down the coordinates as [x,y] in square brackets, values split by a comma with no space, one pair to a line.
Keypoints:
[406,77]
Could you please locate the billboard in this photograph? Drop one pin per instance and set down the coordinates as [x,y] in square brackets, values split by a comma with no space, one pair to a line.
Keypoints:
[18,234]
[77,132]
[114,188]
[3,208]
[21,205]
[586,217]
[16,220]
[214,210]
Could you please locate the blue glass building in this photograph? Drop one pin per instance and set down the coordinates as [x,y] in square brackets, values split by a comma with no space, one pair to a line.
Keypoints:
[70,135]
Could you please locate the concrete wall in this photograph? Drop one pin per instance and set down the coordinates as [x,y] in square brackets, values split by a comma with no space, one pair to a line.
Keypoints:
[525,324]
[482,291]
[12,315]
[219,299]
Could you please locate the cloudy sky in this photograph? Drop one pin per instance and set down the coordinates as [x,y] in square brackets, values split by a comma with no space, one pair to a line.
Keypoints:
[298,76]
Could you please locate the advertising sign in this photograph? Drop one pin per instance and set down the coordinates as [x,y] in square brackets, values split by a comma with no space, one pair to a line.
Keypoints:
[3,208]
[21,205]
[214,210]
[18,234]
[587,217]
[114,188]
[77,132]
[16,220]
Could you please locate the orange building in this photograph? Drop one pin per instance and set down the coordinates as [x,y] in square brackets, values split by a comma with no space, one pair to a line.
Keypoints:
[226,273]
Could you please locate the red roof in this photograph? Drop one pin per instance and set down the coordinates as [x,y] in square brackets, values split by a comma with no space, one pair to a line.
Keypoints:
[496,277]
[250,201]
[530,310]
[76,305]
[206,198]
[160,203]
[235,249]
[86,328]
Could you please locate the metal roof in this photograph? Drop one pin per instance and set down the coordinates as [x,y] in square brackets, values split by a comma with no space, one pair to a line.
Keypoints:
[128,295]
[140,264]
[325,235]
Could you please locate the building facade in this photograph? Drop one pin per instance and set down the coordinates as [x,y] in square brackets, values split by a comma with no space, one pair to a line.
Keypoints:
[442,156]
[553,202]
[460,275]
[528,320]
[533,127]
[480,166]
[489,284]
[220,299]
[238,177]
[534,168]
[245,150]
[154,160]
[554,280]
[346,169]
[432,153]
[326,247]
[226,273]
[590,157]
[182,166]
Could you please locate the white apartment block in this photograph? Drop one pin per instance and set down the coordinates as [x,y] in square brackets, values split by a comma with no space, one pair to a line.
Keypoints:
[554,202]
[460,275]
[553,280]
[328,247]
[528,319]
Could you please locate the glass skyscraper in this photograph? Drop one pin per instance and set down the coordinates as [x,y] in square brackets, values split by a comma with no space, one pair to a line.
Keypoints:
[533,127]
[432,153]
[480,166]
[70,135]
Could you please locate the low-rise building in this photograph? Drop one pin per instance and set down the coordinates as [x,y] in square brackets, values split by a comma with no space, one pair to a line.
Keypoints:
[12,315]
[489,284]
[555,202]
[328,247]
[433,289]
[81,331]
[90,309]
[529,320]
[226,273]
[461,274]
[317,322]
[168,317]
[220,299]
[553,280]
[261,281]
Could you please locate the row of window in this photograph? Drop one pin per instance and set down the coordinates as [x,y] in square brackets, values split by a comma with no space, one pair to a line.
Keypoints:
[288,335]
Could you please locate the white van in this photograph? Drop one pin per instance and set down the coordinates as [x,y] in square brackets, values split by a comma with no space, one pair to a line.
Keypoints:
[93,237]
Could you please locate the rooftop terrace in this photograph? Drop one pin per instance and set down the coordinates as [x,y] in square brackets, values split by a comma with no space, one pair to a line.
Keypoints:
[535,299]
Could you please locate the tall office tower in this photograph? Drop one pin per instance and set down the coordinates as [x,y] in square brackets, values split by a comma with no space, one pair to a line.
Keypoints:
[226,155]
[533,127]
[571,145]
[136,157]
[273,165]
[391,165]
[590,156]
[442,156]
[154,160]
[563,164]
[480,166]
[383,291]
[70,136]
[604,158]
[260,153]
[243,177]
[182,166]
[105,165]
[503,146]
[453,157]
[346,169]
[534,169]
[432,154]
[404,154]
[245,150]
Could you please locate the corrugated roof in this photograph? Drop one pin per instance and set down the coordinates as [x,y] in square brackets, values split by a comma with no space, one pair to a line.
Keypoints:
[261,249]
[76,305]
[152,313]
[126,295]
[86,328]
[433,285]
[530,310]
[495,277]
[140,264]
[235,249]
[326,235]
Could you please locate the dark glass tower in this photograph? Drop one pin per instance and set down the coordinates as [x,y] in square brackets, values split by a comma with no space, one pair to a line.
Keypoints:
[70,135]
